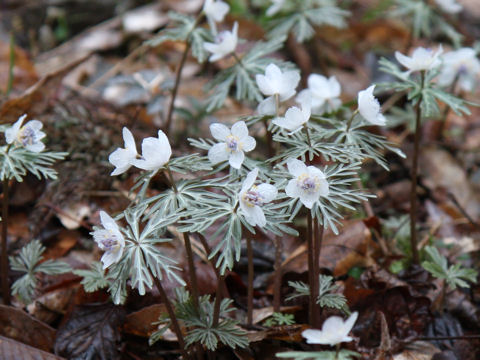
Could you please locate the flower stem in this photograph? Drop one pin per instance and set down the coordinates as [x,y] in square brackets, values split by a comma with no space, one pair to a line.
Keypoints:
[277,282]
[317,250]
[311,280]
[191,269]
[250,281]
[349,123]
[178,77]
[413,191]
[4,256]
[171,313]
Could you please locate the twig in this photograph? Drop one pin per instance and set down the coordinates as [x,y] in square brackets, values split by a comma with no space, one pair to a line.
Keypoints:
[317,251]
[178,76]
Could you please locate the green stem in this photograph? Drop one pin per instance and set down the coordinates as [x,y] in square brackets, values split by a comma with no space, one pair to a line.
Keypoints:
[349,123]
[413,190]
[4,256]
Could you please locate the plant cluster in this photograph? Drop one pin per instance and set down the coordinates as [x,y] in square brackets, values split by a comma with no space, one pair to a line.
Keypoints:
[227,192]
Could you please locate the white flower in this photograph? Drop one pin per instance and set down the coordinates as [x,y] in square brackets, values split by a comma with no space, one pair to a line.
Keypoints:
[109,239]
[275,7]
[122,158]
[324,93]
[29,135]
[462,63]
[252,197]
[334,331]
[215,11]
[155,152]
[225,43]
[267,106]
[294,118]
[421,59]
[277,82]
[449,6]
[308,185]
[369,107]
[233,144]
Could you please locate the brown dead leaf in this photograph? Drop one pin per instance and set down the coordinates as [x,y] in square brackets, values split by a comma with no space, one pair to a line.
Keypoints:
[13,350]
[67,239]
[50,306]
[353,246]
[418,350]
[24,74]
[18,325]
[140,322]
[442,172]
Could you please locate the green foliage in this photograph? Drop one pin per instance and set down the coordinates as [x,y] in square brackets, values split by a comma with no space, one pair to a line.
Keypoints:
[327,297]
[200,322]
[185,28]
[93,278]
[28,261]
[279,319]
[17,161]
[242,74]
[455,275]
[319,355]
[301,16]
[426,91]
[425,20]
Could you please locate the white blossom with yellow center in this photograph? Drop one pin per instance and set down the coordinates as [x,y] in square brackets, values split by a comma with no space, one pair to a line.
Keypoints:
[29,135]
[308,184]
[253,197]
[233,143]
[110,240]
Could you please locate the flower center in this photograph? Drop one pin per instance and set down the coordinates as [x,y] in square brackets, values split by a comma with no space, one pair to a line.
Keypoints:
[252,197]
[233,144]
[109,240]
[26,136]
[307,183]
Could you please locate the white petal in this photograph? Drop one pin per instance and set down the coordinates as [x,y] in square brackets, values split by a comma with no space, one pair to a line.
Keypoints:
[107,221]
[267,106]
[249,180]
[248,143]
[218,153]
[290,80]
[292,190]
[350,321]
[314,336]
[296,167]
[268,192]
[255,216]
[219,131]
[129,140]
[240,130]
[11,133]
[264,85]
[35,147]
[308,199]
[404,60]
[110,257]
[236,159]
[34,124]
